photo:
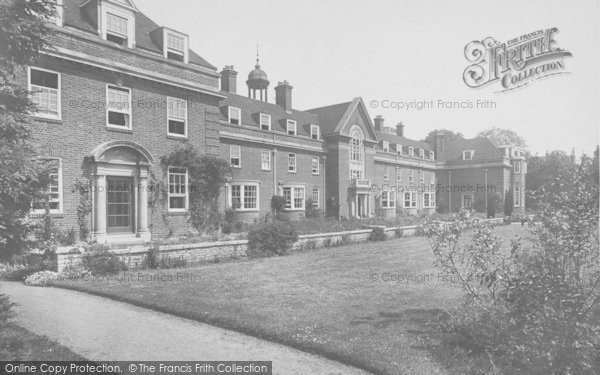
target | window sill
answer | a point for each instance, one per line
(177, 137)
(120, 130)
(38, 215)
(177, 213)
(53, 120)
(245, 210)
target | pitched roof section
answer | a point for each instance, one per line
(483, 147)
(252, 108)
(334, 118)
(392, 138)
(76, 18)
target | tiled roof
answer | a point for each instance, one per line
(484, 149)
(395, 139)
(76, 18)
(251, 110)
(330, 116)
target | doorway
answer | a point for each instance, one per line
(119, 205)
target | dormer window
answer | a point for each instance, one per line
(116, 29)
(431, 155)
(265, 122)
(422, 153)
(468, 154)
(291, 127)
(58, 16)
(175, 47)
(399, 149)
(314, 131)
(386, 146)
(411, 152)
(235, 115)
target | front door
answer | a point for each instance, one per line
(362, 210)
(119, 205)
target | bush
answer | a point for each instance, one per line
(378, 234)
(271, 239)
(100, 261)
(41, 278)
(277, 203)
(5, 310)
(310, 245)
(17, 272)
(311, 211)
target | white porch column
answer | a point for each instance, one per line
(142, 204)
(100, 193)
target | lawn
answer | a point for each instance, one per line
(375, 305)
(19, 344)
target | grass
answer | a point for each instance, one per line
(338, 302)
(19, 344)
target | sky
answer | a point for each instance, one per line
(406, 51)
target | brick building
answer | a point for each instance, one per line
(118, 92)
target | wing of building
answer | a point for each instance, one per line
(117, 92)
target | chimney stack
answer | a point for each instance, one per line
(229, 79)
(440, 146)
(378, 121)
(283, 95)
(400, 129)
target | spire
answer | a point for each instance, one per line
(257, 66)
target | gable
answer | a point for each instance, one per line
(358, 115)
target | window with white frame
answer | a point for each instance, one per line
(421, 177)
(386, 173)
(411, 176)
(411, 152)
(399, 149)
(410, 199)
(44, 86)
(265, 160)
(432, 177)
(117, 29)
(235, 115)
(235, 156)
(118, 106)
(386, 146)
(315, 165)
(467, 201)
(316, 197)
(54, 194)
(314, 131)
(422, 153)
(176, 46)
(244, 197)
(517, 166)
(178, 192)
(177, 117)
(399, 174)
(517, 196)
(431, 155)
(357, 166)
(468, 154)
(388, 199)
(294, 197)
(291, 127)
(292, 163)
(265, 121)
(428, 200)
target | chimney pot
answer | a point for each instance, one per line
(229, 79)
(283, 95)
(400, 129)
(378, 122)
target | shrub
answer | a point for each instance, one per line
(311, 211)
(17, 272)
(509, 202)
(378, 234)
(41, 278)
(153, 257)
(5, 310)
(345, 240)
(167, 261)
(277, 203)
(100, 261)
(310, 245)
(271, 239)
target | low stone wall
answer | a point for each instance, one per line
(194, 253)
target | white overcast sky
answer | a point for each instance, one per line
(332, 51)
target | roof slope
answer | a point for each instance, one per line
(394, 138)
(330, 116)
(483, 147)
(252, 108)
(76, 18)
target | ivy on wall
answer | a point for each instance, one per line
(206, 177)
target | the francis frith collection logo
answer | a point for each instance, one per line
(515, 63)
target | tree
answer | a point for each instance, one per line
(500, 136)
(23, 35)
(536, 308)
(542, 172)
(450, 135)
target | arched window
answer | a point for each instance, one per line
(356, 146)
(357, 153)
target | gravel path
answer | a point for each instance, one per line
(102, 329)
